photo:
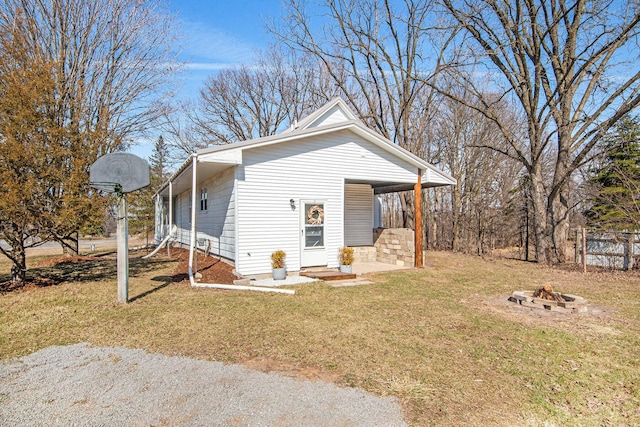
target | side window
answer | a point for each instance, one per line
(203, 199)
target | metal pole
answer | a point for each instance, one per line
(123, 250)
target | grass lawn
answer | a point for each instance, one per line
(441, 339)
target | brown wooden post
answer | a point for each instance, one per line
(417, 207)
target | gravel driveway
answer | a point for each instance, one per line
(80, 385)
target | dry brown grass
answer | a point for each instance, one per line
(442, 339)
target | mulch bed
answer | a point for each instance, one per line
(213, 269)
(30, 283)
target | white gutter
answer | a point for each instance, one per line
(192, 246)
(241, 288)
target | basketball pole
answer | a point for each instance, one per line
(123, 249)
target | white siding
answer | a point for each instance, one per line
(216, 224)
(310, 169)
(334, 115)
(182, 217)
(358, 215)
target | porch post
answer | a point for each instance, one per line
(417, 207)
(170, 217)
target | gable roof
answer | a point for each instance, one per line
(331, 112)
(332, 117)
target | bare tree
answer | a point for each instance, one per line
(256, 100)
(571, 69)
(482, 176)
(376, 53)
(249, 101)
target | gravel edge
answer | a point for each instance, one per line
(82, 385)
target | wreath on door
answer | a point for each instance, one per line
(315, 215)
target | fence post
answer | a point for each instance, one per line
(576, 252)
(584, 250)
(630, 241)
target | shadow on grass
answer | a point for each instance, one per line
(166, 281)
(150, 291)
(87, 269)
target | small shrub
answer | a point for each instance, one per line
(277, 259)
(346, 256)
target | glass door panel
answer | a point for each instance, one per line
(314, 225)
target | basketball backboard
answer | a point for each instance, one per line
(125, 170)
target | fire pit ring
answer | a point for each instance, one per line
(569, 304)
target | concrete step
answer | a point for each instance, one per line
(327, 275)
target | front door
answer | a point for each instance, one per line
(312, 233)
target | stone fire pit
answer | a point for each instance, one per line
(565, 303)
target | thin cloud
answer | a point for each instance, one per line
(212, 46)
(207, 66)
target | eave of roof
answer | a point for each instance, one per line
(290, 135)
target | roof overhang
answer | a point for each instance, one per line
(216, 159)
(181, 180)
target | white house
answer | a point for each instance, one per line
(308, 191)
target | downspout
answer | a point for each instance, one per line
(173, 230)
(192, 246)
(164, 242)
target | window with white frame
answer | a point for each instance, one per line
(203, 199)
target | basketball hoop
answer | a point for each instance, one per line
(120, 173)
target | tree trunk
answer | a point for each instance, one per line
(70, 245)
(558, 203)
(19, 267)
(435, 220)
(559, 225)
(538, 199)
(455, 218)
(408, 213)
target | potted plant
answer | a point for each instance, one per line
(346, 259)
(278, 269)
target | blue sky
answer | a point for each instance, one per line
(216, 34)
(219, 34)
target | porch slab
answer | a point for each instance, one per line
(291, 279)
